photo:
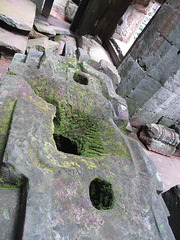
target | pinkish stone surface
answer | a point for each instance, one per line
(19, 14)
(168, 167)
(12, 41)
(3, 67)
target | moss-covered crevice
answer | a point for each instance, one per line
(114, 144)
(124, 129)
(101, 194)
(80, 78)
(81, 129)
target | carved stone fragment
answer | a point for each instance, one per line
(160, 139)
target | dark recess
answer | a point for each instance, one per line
(22, 210)
(101, 194)
(65, 145)
(80, 78)
(172, 200)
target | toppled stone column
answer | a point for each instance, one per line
(160, 139)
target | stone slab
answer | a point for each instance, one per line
(12, 41)
(45, 27)
(109, 70)
(34, 34)
(19, 14)
(42, 43)
(95, 51)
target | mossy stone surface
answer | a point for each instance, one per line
(58, 201)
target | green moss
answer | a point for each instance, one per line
(124, 129)
(6, 116)
(113, 144)
(7, 186)
(58, 38)
(10, 73)
(81, 129)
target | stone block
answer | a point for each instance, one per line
(110, 70)
(45, 27)
(162, 104)
(68, 39)
(167, 66)
(157, 50)
(12, 41)
(69, 50)
(162, 148)
(19, 15)
(82, 55)
(142, 93)
(166, 20)
(42, 44)
(173, 83)
(8, 210)
(159, 139)
(166, 122)
(35, 34)
(70, 11)
(144, 42)
(33, 58)
(174, 37)
(172, 107)
(131, 74)
(60, 182)
(174, 3)
(95, 51)
(61, 47)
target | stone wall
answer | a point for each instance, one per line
(150, 72)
